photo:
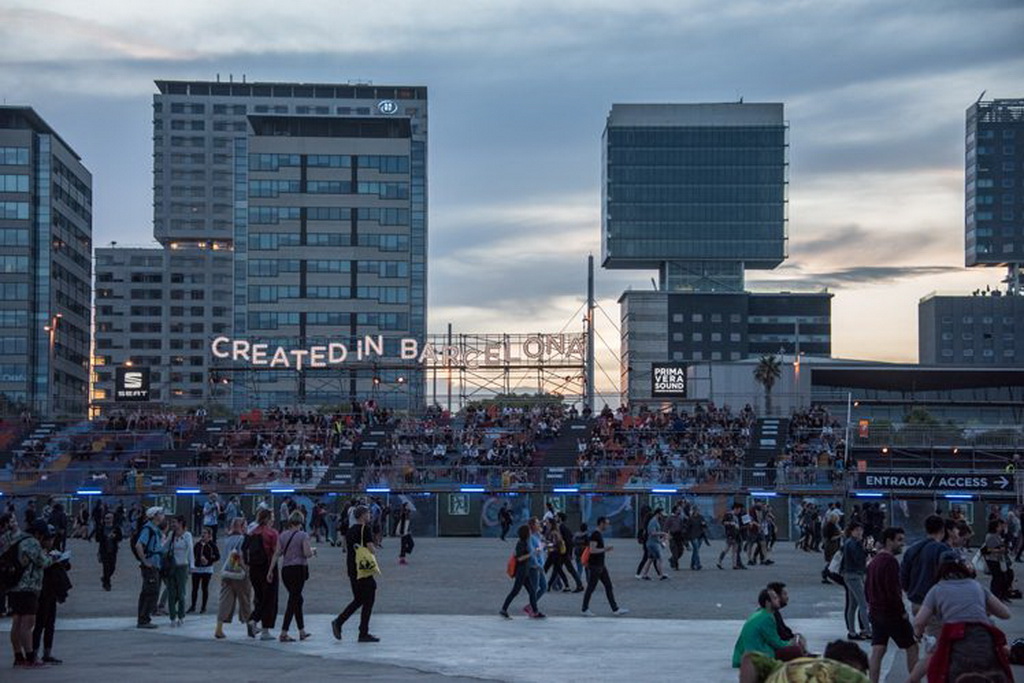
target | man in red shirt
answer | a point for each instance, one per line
(886, 611)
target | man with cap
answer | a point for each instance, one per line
(23, 599)
(149, 548)
(364, 591)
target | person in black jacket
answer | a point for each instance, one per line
(108, 537)
(56, 586)
(206, 555)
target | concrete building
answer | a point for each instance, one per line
(707, 327)
(698, 193)
(986, 328)
(156, 308)
(45, 269)
(317, 195)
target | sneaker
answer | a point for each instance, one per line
(619, 612)
(285, 638)
(578, 589)
(664, 577)
(252, 628)
(266, 635)
(504, 614)
(588, 613)
(52, 660)
(639, 577)
(538, 615)
(369, 638)
(336, 629)
(528, 610)
(401, 560)
(181, 622)
(219, 636)
(305, 636)
(191, 610)
(719, 565)
(148, 624)
(768, 562)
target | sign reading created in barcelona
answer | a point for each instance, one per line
(464, 350)
(668, 380)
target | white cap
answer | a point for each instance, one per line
(154, 511)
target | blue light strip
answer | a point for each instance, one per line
(379, 489)
(89, 492)
(183, 492)
(471, 489)
(565, 489)
(763, 494)
(664, 490)
(959, 496)
(282, 490)
(868, 494)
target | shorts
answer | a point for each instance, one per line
(23, 603)
(898, 629)
(653, 551)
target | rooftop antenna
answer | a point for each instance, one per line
(981, 95)
(218, 78)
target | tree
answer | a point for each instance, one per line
(767, 372)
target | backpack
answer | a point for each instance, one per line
(11, 568)
(254, 551)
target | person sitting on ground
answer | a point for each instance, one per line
(843, 662)
(760, 632)
(799, 645)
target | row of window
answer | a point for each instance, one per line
(14, 291)
(274, 188)
(985, 320)
(268, 294)
(17, 211)
(13, 237)
(1008, 150)
(18, 319)
(13, 156)
(274, 267)
(986, 353)
(13, 264)
(10, 182)
(271, 320)
(382, 163)
(272, 215)
(271, 241)
(10, 346)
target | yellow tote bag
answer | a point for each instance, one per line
(366, 562)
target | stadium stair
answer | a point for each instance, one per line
(767, 442)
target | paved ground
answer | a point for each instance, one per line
(436, 617)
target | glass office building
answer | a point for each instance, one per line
(45, 269)
(695, 191)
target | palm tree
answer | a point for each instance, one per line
(768, 370)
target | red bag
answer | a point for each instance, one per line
(511, 568)
(585, 556)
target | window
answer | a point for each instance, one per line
(13, 264)
(716, 317)
(734, 337)
(968, 320)
(17, 211)
(10, 346)
(13, 156)
(698, 355)
(13, 183)
(969, 353)
(697, 336)
(716, 336)
(716, 355)
(13, 237)
(14, 291)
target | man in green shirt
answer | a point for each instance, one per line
(759, 633)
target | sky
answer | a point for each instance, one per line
(874, 92)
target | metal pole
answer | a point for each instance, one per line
(849, 411)
(448, 362)
(589, 398)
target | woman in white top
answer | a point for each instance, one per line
(180, 546)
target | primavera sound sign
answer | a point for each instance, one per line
(471, 351)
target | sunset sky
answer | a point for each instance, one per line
(874, 92)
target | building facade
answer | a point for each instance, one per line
(994, 191)
(986, 328)
(157, 308)
(317, 193)
(696, 191)
(707, 327)
(45, 269)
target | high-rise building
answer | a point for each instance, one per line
(698, 193)
(994, 190)
(318, 194)
(45, 269)
(985, 328)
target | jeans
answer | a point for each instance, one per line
(294, 579)
(675, 546)
(695, 558)
(149, 593)
(176, 584)
(46, 618)
(595, 574)
(200, 581)
(364, 594)
(539, 581)
(857, 606)
(109, 563)
(522, 580)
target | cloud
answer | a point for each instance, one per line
(849, 277)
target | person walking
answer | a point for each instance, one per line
(211, 514)
(260, 546)
(364, 590)
(655, 542)
(696, 534)
(996, 553)
(23, 597)
(733, 538)
(538, 558)
(205, 555)
(566, 557)
(292, 556)
(54, 590)
(522, 576)
(179, 547)
(886, 611)
(149, 549)
(675, 527)
(505, 519)
(403, 529)
(853, 569)
(234, 582)
(108, 538)
(597, 570)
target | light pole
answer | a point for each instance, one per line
(51, 398)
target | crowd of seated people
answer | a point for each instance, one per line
(705, 444)
(814, 446)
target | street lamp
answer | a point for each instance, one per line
(51, 329)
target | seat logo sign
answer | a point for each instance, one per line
(387, 107)
(131, 384)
